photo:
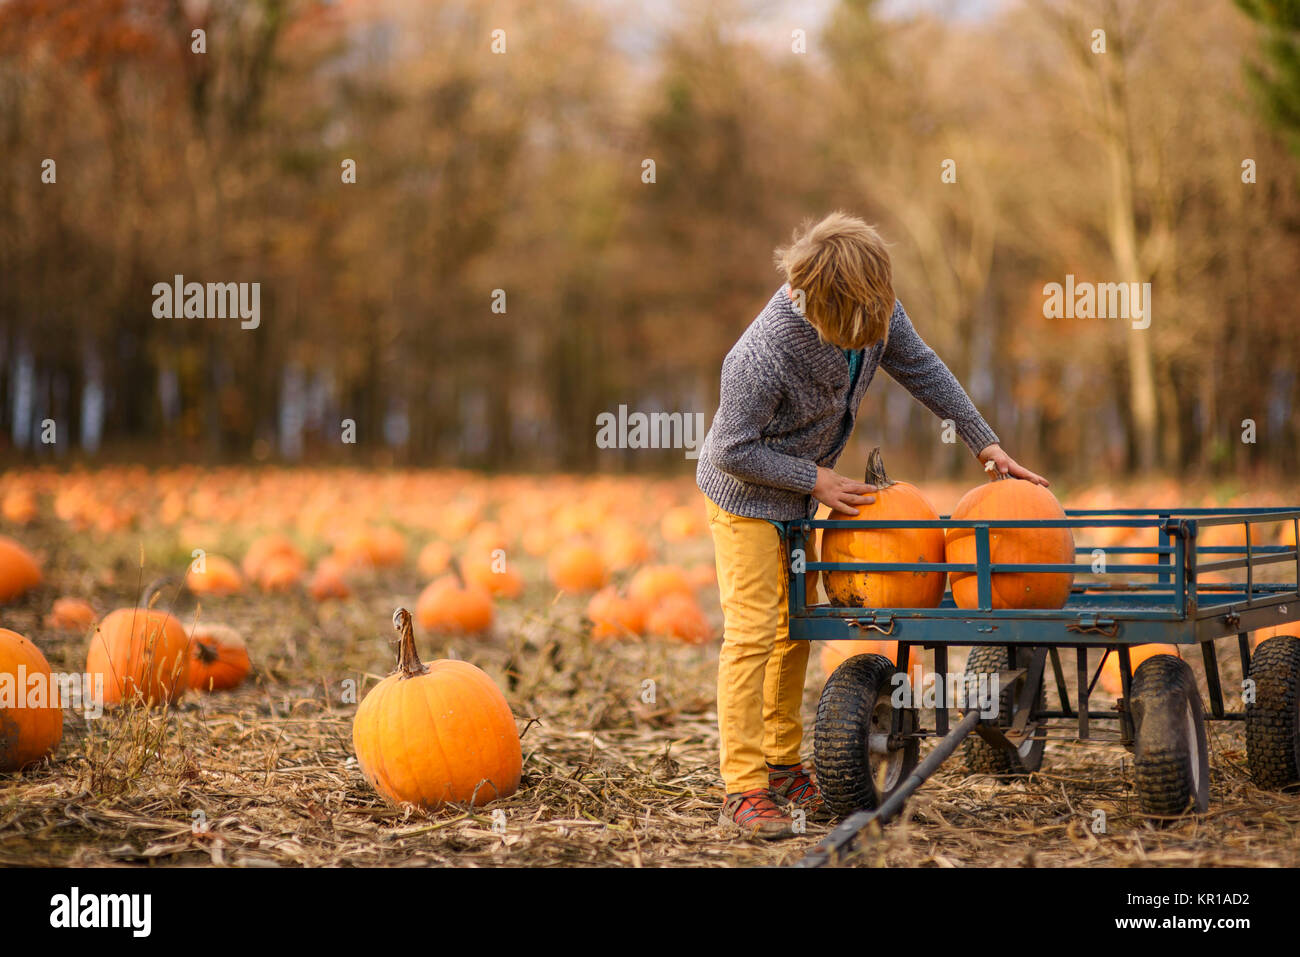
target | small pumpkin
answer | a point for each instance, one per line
(265, 549)
(18, 570)
(31, 720)
(1110, 680)
(678, 616)
(219, 577)
(895, 501)
(450, 606)
(70, 614)
(494, 573)
(139, 652)
(218, 658)
(436, 734)
(835, 653)
(434, 559)
(682, 523)
(1012, 499)
(577, 566)
(653, 583)
(328, 581)
(613, 616)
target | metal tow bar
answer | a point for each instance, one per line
(834, 844)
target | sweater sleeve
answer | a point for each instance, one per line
(751, 393)
(916, 367)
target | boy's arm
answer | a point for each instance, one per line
(749, 399)
(914, 365)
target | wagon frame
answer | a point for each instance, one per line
(1172, 605)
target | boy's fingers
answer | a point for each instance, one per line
(859, 488)
(842, 506)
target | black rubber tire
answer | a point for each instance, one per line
(1273, 718)
(978, 755)
(1171, 756)
(855, 702)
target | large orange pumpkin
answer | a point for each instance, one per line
(31, 722)
(18, 570)
(218, 658)
(436, 734)
(1012, 499)
(139, 651)
(895, 501)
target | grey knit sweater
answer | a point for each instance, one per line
(785, 409)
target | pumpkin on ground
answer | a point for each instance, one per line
(328, 581)
(577, 566)
(218, 658)
(139, 652)
(494, 573)
(895, 501)
(434, 559)
(613, 616)
(1012, 499)
(678, 616)
(265, 549)
(436, 734)
(835, 653)
(31, 721)
(70, 614)
(1110, 680)
(655, 582)
(219, 577)
(448, 605)
(18, 570)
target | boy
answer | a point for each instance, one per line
(791, 387)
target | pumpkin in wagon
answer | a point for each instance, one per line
(1012, 499)
(436, 734)
(898, 501)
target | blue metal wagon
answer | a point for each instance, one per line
(867, 745)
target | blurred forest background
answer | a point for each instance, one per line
(523, 171)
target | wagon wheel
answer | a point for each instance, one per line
(1273, 718)
(979, 755)
(1171, 757)
(858, 764)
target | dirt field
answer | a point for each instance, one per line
(265, 776)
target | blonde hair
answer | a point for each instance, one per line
(841, 265)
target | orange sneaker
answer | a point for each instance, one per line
(755, 814)
(794, 786)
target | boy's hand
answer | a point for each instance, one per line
(1009, 466)
(840, 494)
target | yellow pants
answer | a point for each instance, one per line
(760, 670)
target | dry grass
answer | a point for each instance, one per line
(265, 776)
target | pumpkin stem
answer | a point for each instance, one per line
(876, 470)
(408, 661)
(994, 475)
